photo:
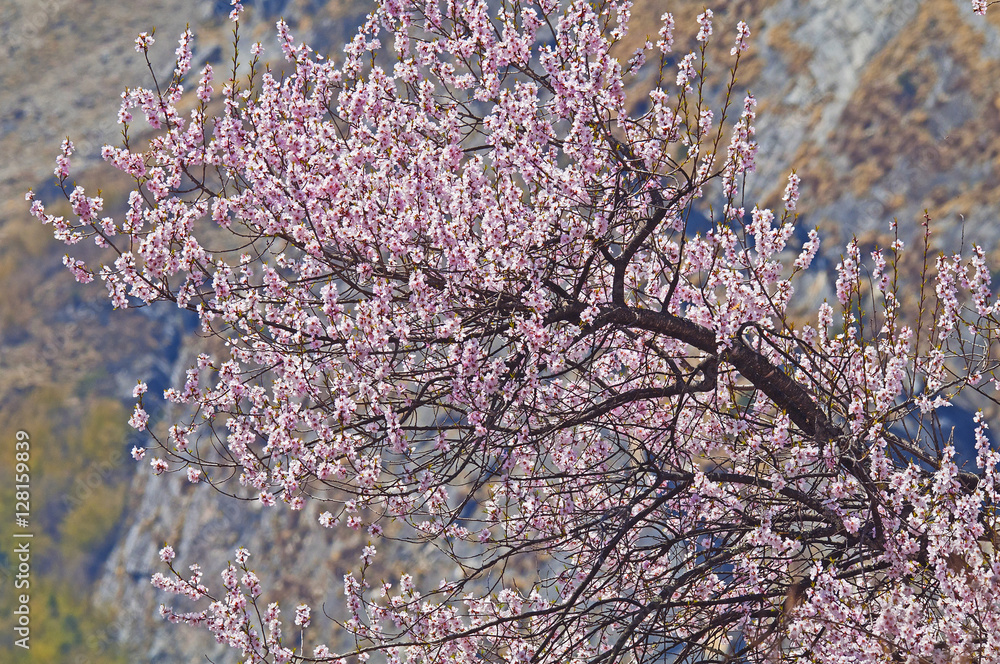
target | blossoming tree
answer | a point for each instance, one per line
(462, 293)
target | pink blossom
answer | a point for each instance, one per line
(143, 42)
(742, 34)
(686, 72)
(205, 84)
(666, 41)
(79, 270)
(302, 615)
(139, 419)
(791, 195)
(704, 25)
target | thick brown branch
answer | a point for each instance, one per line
(787, 394)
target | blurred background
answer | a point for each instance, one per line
(884, 109)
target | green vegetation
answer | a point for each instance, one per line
(78, 474)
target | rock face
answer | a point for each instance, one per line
(884, 109)
(300, 562)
